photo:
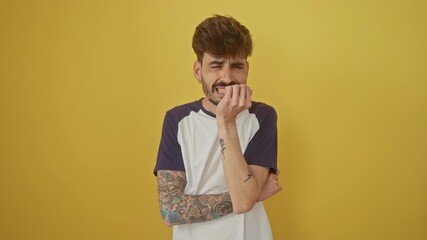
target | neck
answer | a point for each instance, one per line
(209, 106)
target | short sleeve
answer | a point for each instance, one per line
(262, 148)
(169, 156)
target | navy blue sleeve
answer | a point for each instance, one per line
(262, 149)
(169, 156)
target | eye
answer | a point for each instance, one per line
(237, 65)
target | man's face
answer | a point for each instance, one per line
(217, 73)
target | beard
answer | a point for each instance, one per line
(210, 91)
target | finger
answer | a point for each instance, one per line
(242, 97)
(248, 96)
(249, 91)
(235, 94)
(228, 93)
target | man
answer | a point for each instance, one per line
(217, 159)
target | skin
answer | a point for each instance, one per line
(226, 95)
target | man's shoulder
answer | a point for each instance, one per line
(260, 108)
(186, 107)
(180, 111)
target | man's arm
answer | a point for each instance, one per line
(245, 182)
(179, 208)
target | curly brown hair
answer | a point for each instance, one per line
(222, 36)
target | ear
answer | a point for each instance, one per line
(197, 71)
(247, 64)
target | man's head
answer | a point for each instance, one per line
(222, 46)
(222, 37)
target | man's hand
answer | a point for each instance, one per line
(271, 186)
(237, 98)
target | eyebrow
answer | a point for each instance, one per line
(216, 62)
(221, 62)
(237, 64)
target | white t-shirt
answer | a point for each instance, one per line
(190, 143)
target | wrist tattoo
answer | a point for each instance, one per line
(222, 144)
(249, 177)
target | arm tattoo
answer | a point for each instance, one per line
(222, 144)
(249, 177)
(180, 208)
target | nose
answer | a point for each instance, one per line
(226, 75)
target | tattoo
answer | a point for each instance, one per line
(179, 208)
(222, 144)
(249, 177)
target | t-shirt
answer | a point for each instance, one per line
(190, 143)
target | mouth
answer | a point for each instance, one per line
(220, 89)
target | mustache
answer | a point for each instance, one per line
(223, 84)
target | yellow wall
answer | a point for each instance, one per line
(84, 86)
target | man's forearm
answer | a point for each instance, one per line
(244, 185)
(179, 208)
(244, 182)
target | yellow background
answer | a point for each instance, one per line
(85, 85)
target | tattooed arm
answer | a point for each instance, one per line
(245, 182)
(179, 208)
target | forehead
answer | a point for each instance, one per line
(207, 58)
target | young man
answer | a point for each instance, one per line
(217, 159)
